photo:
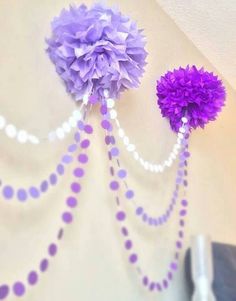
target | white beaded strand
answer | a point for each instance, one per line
(23, 136)
(131, 148)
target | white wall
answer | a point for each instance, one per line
(211, 25)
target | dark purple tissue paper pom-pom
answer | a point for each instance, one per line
(96, 49)
(190, 92)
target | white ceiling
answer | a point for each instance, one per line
(211, 26)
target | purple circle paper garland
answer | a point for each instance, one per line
(150, 220)
(118, 178)
(121, 216)
(34, 192)
(19, 287)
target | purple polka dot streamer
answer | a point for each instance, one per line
(19, 287)
(133, 257)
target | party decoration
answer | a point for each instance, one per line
(121, 215)
(95, 49)
(23, 194)
(19, 288)
(22, 136)
(99, 53)
(190, 92)
(131, 148)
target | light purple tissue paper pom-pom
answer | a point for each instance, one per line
(96, 49)
(190, 92)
